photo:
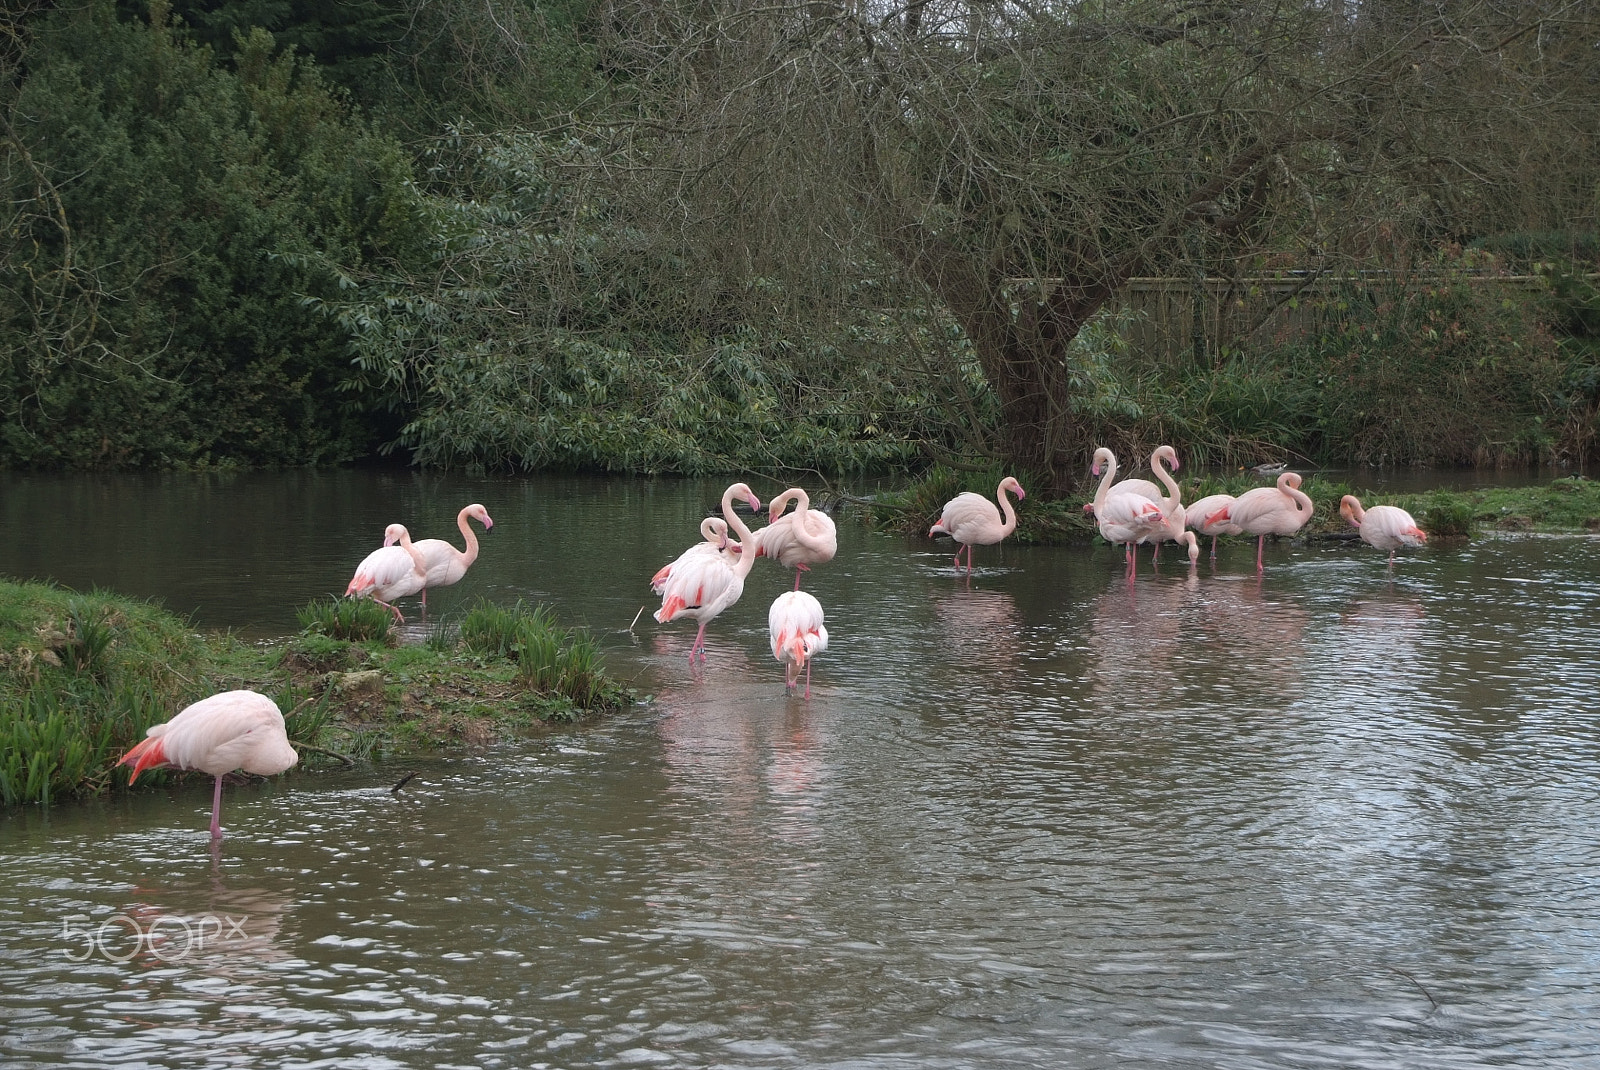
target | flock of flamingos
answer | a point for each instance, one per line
(245, 729)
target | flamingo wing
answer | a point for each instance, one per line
(972, 518)
(387, 573)
(701, 587)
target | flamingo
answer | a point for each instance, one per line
(1200, 511)
(1171, 502)
(232, 730)
(794, 624)
(390, 572)
(714, 533)
(799, 539)
(1388, 527)
(970, 520)
(1280, 510)
(1125, 515)
(445, 564)
(709, 584)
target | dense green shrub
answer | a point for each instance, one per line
(170, 215)
(547, 334)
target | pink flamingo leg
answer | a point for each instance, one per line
(398, 619)
(1261, 545)
(798, 569)
(216, 810)
(699, 646)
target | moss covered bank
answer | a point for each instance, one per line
(83, 675)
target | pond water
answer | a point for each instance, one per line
(1336, 814)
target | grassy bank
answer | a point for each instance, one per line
(83, 675)
(1570, 504)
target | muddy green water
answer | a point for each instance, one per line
(1333, 816)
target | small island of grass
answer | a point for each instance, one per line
(83, 675)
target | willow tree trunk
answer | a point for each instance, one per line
(1020, 330)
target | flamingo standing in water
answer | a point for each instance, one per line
(1199, 513)
(1280, 510)
(971, 520)
(1171, 502)
(794, 624)
(446, 564)
(1124, 514)
(390, 572)
(233, 730)
(799, 539)
(710, 583)
(1387, 527)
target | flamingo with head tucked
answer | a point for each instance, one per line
(391, 572)
(799, 539)
(233, 730)
(1280, 510)
(794, 625)
(446, 564)
(972, 520)
(1387, 527)
(710, 583)
(1198, 514)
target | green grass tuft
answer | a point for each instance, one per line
(357, 620)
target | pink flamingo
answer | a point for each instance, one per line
(970, 520)
(710, 583)
(794, 624)
(444, 563)
(1124, 514)
(391, 572)
(799, 539)
(714, 533)
(1171, 502)
(1387, 527)
(1280, 510)
(233, 730)
(1199, 512)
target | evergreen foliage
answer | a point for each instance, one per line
(174, 216)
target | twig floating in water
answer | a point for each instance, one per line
(1418, 983)
(403, 782)
(635, 619)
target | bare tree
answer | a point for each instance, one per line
(1019, 161)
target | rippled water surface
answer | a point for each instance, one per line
(1339, 815)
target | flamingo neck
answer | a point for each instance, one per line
(802, 532)
(470, 554)
(1174, 496)
(740, 529)
(1008, 515)
(1105, 482)
(417, 560)
(1302, 502)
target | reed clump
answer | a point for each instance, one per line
(356, 620)
(549, 658)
